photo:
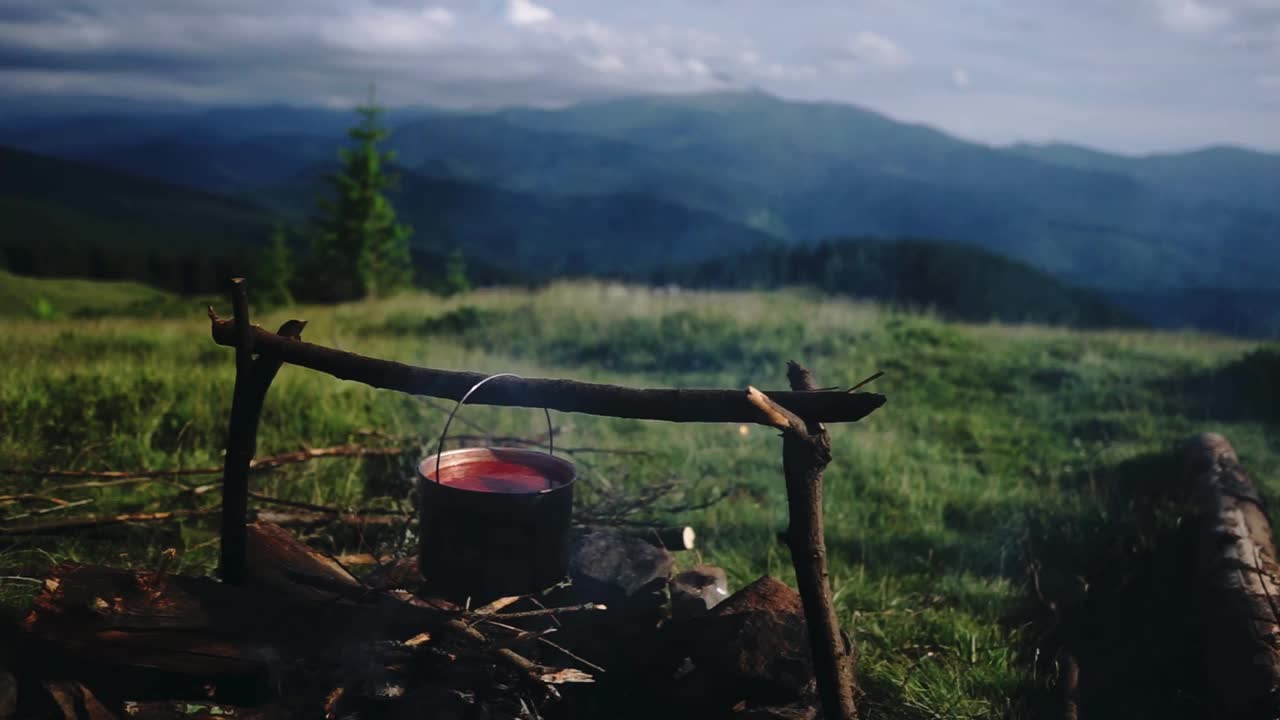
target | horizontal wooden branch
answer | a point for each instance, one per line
(563, 395)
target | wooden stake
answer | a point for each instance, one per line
(253, 379)
(806, 450)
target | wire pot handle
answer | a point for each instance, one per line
(551, 433)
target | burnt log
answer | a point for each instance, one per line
(1239, 581)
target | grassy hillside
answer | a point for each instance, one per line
(25, 297)
(1007, 458)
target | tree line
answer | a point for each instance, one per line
(961, 282)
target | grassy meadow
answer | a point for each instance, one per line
(1012, 467)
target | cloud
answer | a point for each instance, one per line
(527, 12)
(440, 16)
(874, 49)
(1192, 15)
(1211, 78)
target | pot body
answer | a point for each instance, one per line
(482, 545)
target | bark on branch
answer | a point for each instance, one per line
(806, 450)
(1239, 581)
(563, 395)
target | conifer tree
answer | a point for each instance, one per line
(360, 248)
(455, 275)
(276, 271)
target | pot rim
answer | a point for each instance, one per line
(562, 473)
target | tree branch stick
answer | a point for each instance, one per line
(253, 379)
(113, 478)
(806, 451)
(563, 395)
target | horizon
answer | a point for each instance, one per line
(1152, 76)
(105, 106)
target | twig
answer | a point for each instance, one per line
(90, 484)
(93, 521)
(585, 607)
(875, 376)
(32, 496)
(322, 508)
(560, 648)
(258, 464)
(48, 510)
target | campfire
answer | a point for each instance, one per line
(507, 609)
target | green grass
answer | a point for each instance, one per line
(999, 446)
(26, 297)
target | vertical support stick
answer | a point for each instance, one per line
(241, 441)
(253, 379)
(803, 460)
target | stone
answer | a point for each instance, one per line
(752, 647)
(696, 591)
(620, 570)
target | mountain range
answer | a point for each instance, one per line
(650, 182)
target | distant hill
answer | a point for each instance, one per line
(66, 218)
(957, 281)
(1219, 174)
(69, 218)
(1244, 313)
(541, 235)
(643, 182)
(803, 171)
(797, 171)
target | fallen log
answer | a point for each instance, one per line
(1239, 581)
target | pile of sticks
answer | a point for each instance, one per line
(301, 637)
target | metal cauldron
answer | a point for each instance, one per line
(481, 543)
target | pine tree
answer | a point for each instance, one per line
(360, 248)
(455, 275)
(275, 271)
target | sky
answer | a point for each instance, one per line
(1128, 76)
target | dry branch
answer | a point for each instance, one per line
(806, 450)
(97, 521)
(113, 478)
(564, 395)
(1239, 581)
(297, 518)
(253, 380)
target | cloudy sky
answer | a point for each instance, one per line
(1124, 75)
